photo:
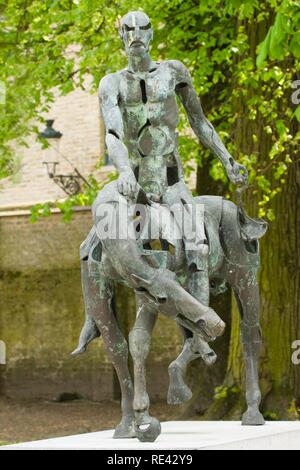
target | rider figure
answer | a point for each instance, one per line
(140, 113)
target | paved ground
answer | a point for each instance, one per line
(184, 435)
(31, 420)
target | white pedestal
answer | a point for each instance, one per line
(200, 435)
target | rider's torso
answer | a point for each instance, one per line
(150, 117)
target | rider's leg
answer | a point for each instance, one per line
(189, 216)
(198, 287)
(197, 251)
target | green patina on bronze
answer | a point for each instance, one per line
(219, 248)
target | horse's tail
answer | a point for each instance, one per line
(90, 330)
(88, 333)
(92, 283)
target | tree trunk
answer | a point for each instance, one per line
(280, 319)
(279, 288)
(279, 285)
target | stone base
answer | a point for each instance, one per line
(197, 435)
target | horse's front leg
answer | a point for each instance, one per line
(247, 294)
(147, 428)
(98, 302)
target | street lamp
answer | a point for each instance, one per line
(71, 183)
(50, 154)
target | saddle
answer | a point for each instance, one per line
(165, 249)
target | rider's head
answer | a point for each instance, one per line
(136, 32)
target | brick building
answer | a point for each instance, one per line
(41, 309)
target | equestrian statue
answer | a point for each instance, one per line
(151, 234)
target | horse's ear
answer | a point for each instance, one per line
(251, 229)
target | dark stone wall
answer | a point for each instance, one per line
(41, 314)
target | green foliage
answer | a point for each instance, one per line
(283, 37)
(294, 410)
(224, 391)
(238, 85)
(85, 198)
(297, 113)
(271, 416)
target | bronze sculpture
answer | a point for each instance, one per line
(218, 247)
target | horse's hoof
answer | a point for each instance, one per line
(147, 429)
(178, 395)
(252, 417)
(125, 428)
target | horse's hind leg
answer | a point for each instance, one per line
(247, 294)
(198, 287)
(147, 428)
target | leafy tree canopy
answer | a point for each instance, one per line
(213, 39)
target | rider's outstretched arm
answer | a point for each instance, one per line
(114, 132)
(201, 126)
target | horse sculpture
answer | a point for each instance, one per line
(233, 261)
(143, 209)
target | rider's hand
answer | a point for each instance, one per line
(237, 173)
(127, 183)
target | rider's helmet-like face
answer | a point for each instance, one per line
(136, 32)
